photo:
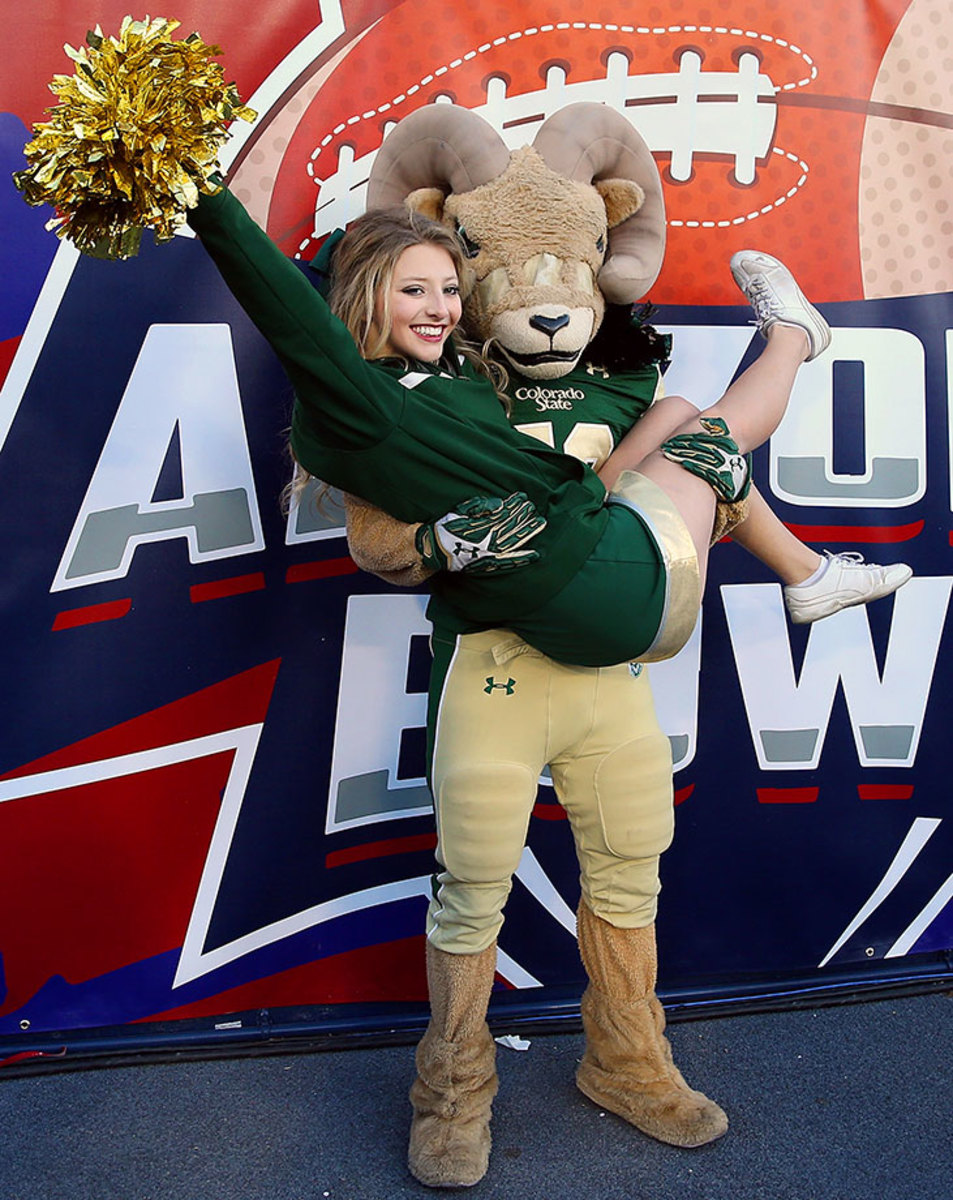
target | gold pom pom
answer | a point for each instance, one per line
(133, 139)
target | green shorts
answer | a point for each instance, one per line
(637, 595)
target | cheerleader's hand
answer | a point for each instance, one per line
(484, 534)
(133, 139)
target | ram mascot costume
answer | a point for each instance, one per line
(552, 233)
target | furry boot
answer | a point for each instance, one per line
(456, 1073)
(627, 1066)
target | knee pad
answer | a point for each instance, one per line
(714, 457)
(483, 812)
(633, 787)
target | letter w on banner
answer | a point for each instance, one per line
(788, 716)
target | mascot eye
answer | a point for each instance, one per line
(470, 248)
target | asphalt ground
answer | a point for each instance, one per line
(852, 1102)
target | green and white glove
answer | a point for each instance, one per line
(485, 534)
(713, 456)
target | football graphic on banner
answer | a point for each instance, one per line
(748, 113)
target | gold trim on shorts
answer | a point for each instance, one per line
(675, 545)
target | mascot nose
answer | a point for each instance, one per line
(549, 325)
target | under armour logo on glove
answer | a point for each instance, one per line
(713, 456)
(485, 534)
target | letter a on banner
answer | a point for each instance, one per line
(182, 394)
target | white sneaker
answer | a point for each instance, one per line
(848, 580)
(772, 292)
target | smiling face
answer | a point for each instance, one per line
(421, 305)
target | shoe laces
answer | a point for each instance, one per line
(761, 297)
(847, 558)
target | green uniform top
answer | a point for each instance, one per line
(412, 441)
(585, 413)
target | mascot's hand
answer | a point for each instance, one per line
(483, 535)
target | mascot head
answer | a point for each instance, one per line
(551, 232)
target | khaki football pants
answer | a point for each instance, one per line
(501, 711)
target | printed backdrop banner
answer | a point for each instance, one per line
(211, 792)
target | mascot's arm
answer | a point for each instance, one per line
(382, 545)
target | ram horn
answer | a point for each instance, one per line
(590, 142)
(440, 145)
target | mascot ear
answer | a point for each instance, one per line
(428, 201)
(622, 197)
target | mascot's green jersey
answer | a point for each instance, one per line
(586, 413)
